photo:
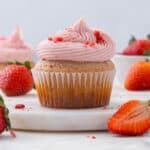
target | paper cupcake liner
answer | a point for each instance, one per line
(73, 90)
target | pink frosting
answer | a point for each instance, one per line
(14, 48)
(77, 43)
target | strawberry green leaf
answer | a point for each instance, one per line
(27, 64)
(9, 63)
(6, 111)
(14, 63)
(147, 53)
(133, 39)
(8, 123)
(1, 101)
(148, 36)
(18, 63)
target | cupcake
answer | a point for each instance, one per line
(13, 48)
(75, 70)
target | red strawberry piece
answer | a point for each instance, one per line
(89, 43)
(19, 106)
(138, 47)
(4, 119)
(138, 77)
(98, 37)
(132, 118)
(58, 39)
(92, 44)
(16, 80)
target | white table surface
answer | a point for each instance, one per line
(73, 141)
(27, 140)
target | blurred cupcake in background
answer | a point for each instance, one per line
(13, 48)
(75, 70)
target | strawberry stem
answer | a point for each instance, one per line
(133, 39)
(148, 36)
(26, 63)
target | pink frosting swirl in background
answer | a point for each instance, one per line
(13, 48)
(77, 43)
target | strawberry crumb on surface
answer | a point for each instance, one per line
(12, 133)
(91, 137)
(19, 106)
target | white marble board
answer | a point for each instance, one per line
(35, 117)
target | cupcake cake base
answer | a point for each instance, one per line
(68, 84)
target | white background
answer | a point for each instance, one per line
(40, 18)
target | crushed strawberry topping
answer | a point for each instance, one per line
(98, 36)
(87, 43)
(56, 39)
(19, 106)
(92, 44)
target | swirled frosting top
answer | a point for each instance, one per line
(78, 43)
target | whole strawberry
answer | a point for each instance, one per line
(138, 77)
(133, 118)
(16, 80)
(138, 47)
(4, 119)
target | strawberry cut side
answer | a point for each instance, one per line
(133, 118)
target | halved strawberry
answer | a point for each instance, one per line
(133, 118)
